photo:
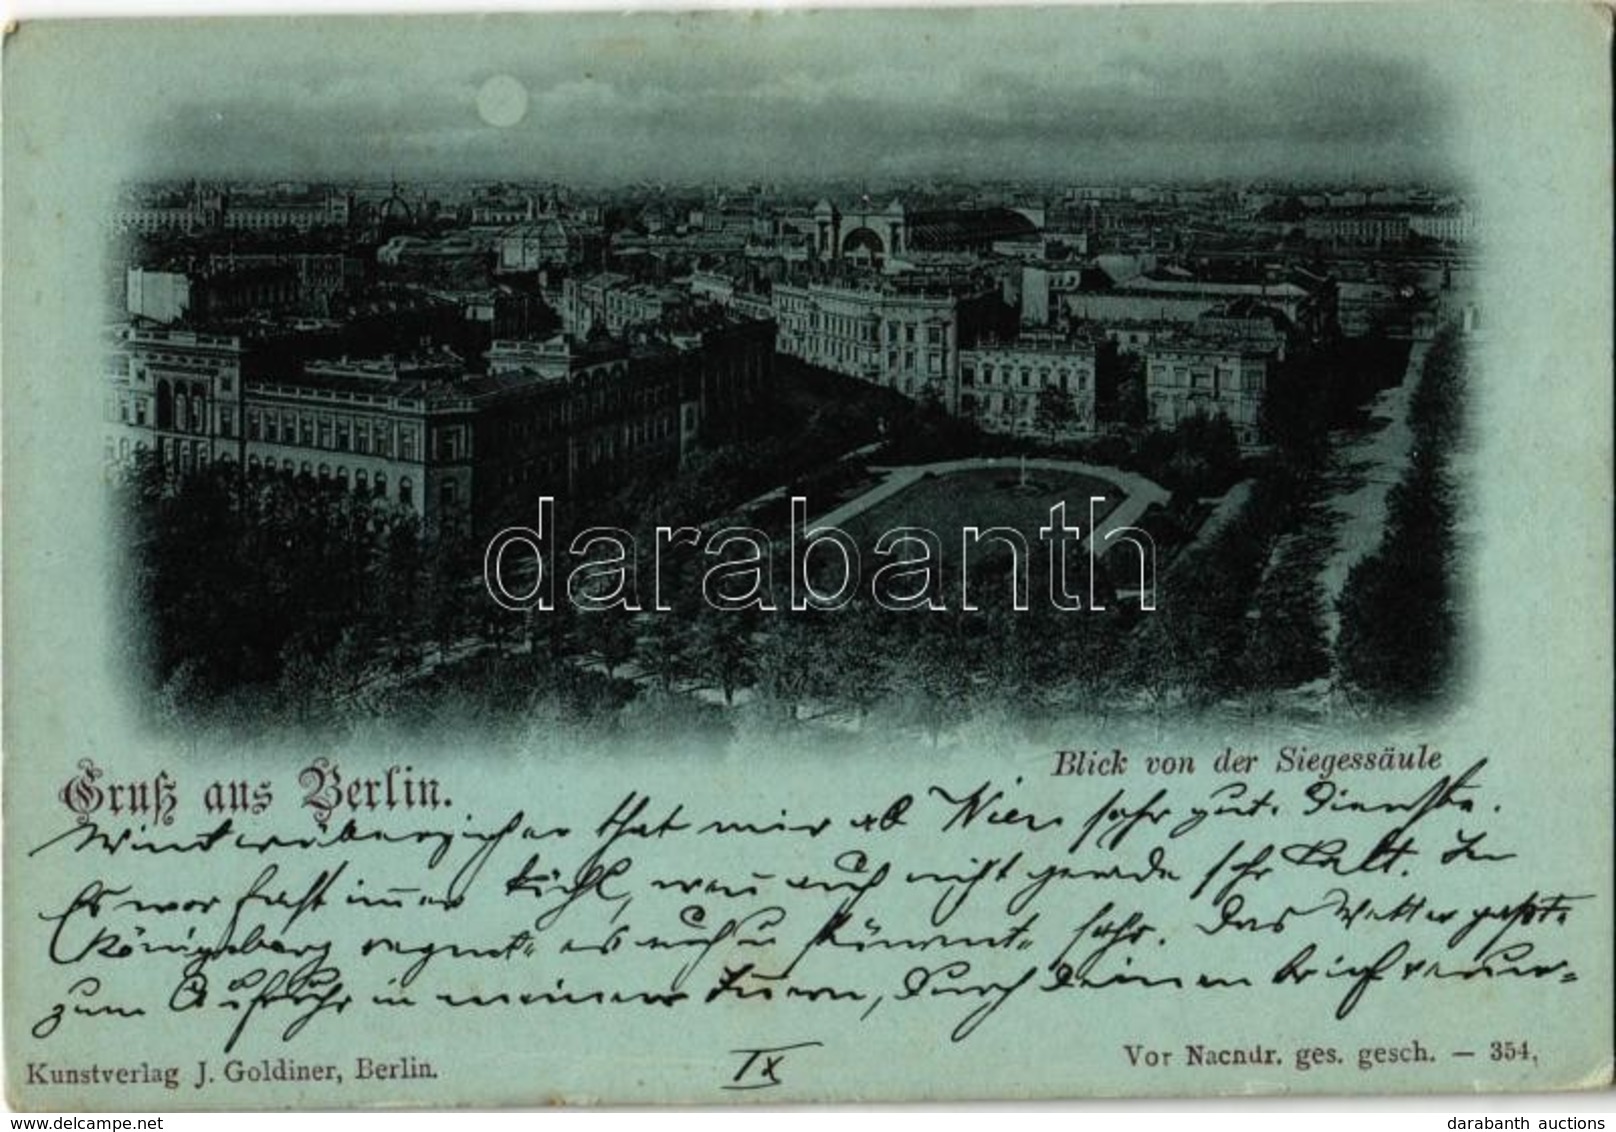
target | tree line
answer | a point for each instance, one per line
(1400, 641)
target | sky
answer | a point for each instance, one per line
(1313, 92)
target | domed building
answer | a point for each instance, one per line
(551, 241)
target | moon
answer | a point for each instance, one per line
(502, 101)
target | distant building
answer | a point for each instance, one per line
(1002, 387)
(613, 303)
(182, 215)
(158, 296)
(712, 285)
(718, 288)
(1134, 337)
(906, 340)
(210, 295)
(1192, 375)
(869, 233)
(462, 255)
(1249, 319)
(1364, 227)
(1306, 301)
(537, 244)
(201, 210)
(499, 213)
(1387, 219)
(1449, 226)
(1044, 288)
(319, 275)
(330, 211)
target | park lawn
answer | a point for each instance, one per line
(985, 497)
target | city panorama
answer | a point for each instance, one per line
(333, 385)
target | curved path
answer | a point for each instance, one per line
(1138, 492)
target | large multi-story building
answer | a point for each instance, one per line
(202, 210)
(866, 232)
(229, 286)
(194, 296)
(381, 427)
(560, 417)
(614, 303)
(176, 393)
(186, 216)
(1038, 385)
(1197, 375)
(728, 373)
(332, 210)
(904, 339)
(1455, 225)
(1366, 227)
(1391, 219)
(1044, 288)
(570, 416)
(533, 245)
(1250, 320)
(1307, 302)
(319, 275)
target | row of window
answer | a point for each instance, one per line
(1206, 378)
(189, 414)
(188, 456)
(934, 334)
(604, 446)
(908, 361)
(1169, 411)
(126, 411)
(177, 455)
(361, 484)
(848, 357)
(1008, 406)
(1008, 375)
(646, 429)
(343, 434)
(182, 408)
(121, 450)
(862, 328)
(270, 220)
(225, 380)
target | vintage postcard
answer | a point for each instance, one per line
(807, 555)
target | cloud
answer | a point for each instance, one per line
(1038, 94)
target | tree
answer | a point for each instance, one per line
(724, 649)
(655, 716)
(858, 675)
(933, 685)
(666, 651)
(609, 634)
(1285, 645)
(790, 662)
(1132, 405)
(450, 597)
(1056, 411)
(1399, 607)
